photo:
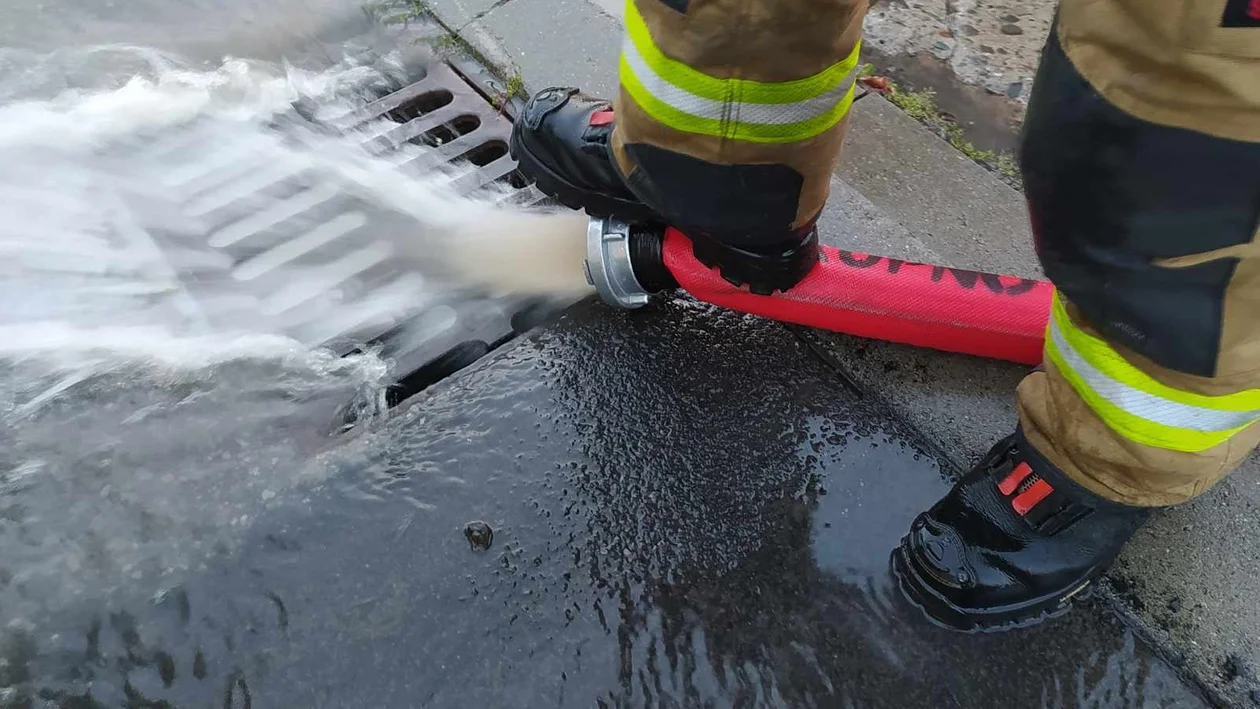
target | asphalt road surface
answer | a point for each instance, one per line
(688, 509)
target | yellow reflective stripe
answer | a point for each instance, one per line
(689, 122)
(746, 90)
(1109, 362)
(688, 100)
(1105, 382)
(1131, 427)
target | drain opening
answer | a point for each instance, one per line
(427, 102)
(445, 133)
(517, 180)
(417, 380)
(450, 362)
(535, 313)
(529, 315)
(485, 153)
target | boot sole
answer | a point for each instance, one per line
(595, 204)
(942, 612)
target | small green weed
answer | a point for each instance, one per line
(921, 105)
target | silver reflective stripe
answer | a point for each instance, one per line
(1153, 408)
(776, 114)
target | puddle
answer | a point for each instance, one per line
(686, 510)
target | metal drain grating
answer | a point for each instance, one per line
(445, 113)
(242, 227)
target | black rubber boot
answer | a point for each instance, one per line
(1012, 544)
(561, 141)
(764, 270)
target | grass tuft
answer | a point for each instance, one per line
(921, 106)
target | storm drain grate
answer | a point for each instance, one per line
(444, 113)
(246, 226)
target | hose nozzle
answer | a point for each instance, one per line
(625, 262)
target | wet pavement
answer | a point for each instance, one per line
(688, 509)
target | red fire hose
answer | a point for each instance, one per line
(982, 314)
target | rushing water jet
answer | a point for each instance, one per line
(155, 399)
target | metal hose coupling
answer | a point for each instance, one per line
(625, 262)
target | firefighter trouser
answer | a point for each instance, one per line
(1141, 162)
(732, 113)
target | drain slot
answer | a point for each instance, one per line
(420, 105)
(453, 360)
(486, 153)
(448, 132)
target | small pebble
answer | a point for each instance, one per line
(479, 535)
(1175, 605)
(1014, 89)
(1233, 668)
(969, 31)
(1008, 17)
(1011, 28)
(1255, 697)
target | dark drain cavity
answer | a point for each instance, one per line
(446, 364)
(485, 154)
(446, 133)
(420, 105)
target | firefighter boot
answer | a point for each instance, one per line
(1012, 543)
(561, 140)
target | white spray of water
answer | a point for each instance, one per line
(476, 243)
(150, 402)
(79, 201)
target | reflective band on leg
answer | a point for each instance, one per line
(738, 109)
(1135, 405)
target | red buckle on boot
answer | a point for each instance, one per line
(1030, 496)
(601, 118)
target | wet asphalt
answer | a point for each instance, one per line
(688, 509)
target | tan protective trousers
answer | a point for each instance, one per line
(1141, 163)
